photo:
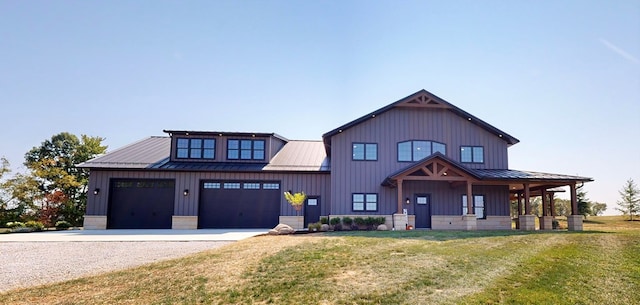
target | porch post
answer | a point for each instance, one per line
(527, 221)
(546, 221)
(574, 199)
(552, 202)
(527, 198)
(545, 203)
(519, 204)
(399, 196)
(469, 221)
(399, 219)
(574, 221)
(470, 207)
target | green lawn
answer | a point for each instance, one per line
(598, 266)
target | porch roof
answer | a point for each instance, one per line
(477, 176)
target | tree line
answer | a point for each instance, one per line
(52, 188)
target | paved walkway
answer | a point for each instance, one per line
(134, 235)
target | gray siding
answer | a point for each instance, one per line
(391, 127)
(314, 184)
(447, 200)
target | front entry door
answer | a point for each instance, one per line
(423, 211)
(311, 210)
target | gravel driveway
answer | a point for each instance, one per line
(25, 264)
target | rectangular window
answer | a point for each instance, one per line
(232, 185)
(251, 186)
(365, 151)
(271, 186)
(245, 149)
(472, 154)
(195, 148)
(418, 150)
(478, 204)
(212, 185)
(312, 201)
(364, 202)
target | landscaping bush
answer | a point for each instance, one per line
(35, 225)
(360, 223)
(324, 220)
(62, 225)
(15, 224)
(347, 221)
(334, 221)
(314, 227)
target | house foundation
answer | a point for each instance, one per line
(296, 222)
(574, 222)
(95, 222)
(546, 223)
(184, 222)
(527, 222)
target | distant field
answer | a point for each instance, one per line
(598, 266)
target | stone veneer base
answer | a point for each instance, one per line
(184, 222)
(94, 222)
(574, 222)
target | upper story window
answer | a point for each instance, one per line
(417, 150)
(478, 206)
(245, 149)
(195, 148)
(365, 151)
(472, 154)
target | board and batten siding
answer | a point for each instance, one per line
(389, 128)
(313, 184)
(447, 200)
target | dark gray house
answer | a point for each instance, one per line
(421, 162)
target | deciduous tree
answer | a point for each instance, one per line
(52, 166)
(629, 199)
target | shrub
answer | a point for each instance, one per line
(347, 221)
(15, 224)
(324, 220)
(335, 221)
(380, 220)
(555, 224)
(63, 225)
(359, 221)
(314, 227)
(35, 225)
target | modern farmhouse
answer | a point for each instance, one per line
(420, 162)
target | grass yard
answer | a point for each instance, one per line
(598, 266)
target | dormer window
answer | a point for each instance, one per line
(245, 149)
(195, 148)
(418, 150)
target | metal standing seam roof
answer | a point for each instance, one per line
(491, 174)
(154, 153)
(138, 155)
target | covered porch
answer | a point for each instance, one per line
(457, 178)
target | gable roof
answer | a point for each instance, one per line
(423, 99)
(483, 174)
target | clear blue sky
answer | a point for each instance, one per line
(561, 76)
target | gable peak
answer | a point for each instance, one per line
(424, 100)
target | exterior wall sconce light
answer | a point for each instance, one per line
(185, 192)
(407, 201)
(96, 191)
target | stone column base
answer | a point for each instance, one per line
(296, 222)
(527, 222)
(400, 222)
(184, 222)
(94, 222)
(469, 222)
(546, 223)
(574, 222)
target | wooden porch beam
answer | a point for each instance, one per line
(400, 196)
(545, 203)
(527, 197)
(574, 199)
(470, 207)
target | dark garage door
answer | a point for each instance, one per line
(141, 204)
(232, 204)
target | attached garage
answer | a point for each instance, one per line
(141, 204)
(239, 204)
